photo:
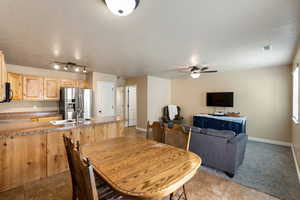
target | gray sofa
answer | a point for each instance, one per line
(219, 149)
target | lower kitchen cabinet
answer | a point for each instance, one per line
(27, 158)
(23, 160)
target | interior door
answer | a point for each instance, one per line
(105, 99)
(120, 101)
(131, 105)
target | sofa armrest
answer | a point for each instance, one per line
(238, 138)
(237, 146)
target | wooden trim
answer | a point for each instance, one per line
(296, 162)
(276, 142)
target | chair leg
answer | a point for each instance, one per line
(184, 193)
(171, 196)
(74, 193)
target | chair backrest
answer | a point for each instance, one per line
(155, 131)
(166, 112)
(177, 137)
(69, 145)
(84, 176)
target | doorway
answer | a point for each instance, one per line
(105, 99)
(131, 105)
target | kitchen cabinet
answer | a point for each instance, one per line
(3, 76)
(56, 152)
(82, 84)
(33, 88)
(51, 89)
(67, 83)
(15, 81)
(29, 157)
(22, 160)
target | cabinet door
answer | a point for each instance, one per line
(82, 84)
(87, 135)
(56, 153)
(3, 76)
(51, 89)
(15, 81)
(23, 160)
(33, 87)
(67, 83)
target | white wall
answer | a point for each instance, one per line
(263, 95)
(159, 95)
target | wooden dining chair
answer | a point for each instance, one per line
(179, 138)
(155, 131)
(69, 145)
(86, 186)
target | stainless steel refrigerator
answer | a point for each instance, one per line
(75, 102)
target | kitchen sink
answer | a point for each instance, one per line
(62, 122)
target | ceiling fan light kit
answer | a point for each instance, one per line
(122, 7)
(195, 74)
(195, 71)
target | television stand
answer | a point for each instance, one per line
(236, 124)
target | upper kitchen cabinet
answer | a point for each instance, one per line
(82, 84)
(3, 76)
(15, 81)
(51, 89)
(33, 88)
(67, 83)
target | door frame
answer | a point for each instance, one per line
(127, 104)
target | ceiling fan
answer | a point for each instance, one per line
(195, 71)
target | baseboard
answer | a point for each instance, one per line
(270, 141)
(296, 162)
(141, 129)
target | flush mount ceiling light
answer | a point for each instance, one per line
(122, 7)
(69, 66)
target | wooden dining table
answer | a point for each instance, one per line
(142, 168)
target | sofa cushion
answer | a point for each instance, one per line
(219, 133)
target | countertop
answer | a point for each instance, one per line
(24, 127)
(28, 115)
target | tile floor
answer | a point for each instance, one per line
(204, 186)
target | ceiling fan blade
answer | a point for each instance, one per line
(184, 72)
(211, 71)
(177, 70)
(204, 68)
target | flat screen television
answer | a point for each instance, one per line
(219, 99)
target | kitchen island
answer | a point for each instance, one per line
(33, 150)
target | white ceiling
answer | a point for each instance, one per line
(158, 36)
